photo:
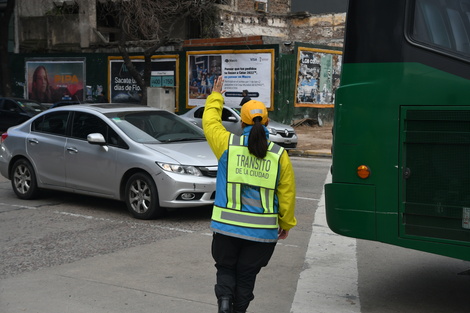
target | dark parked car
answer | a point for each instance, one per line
(14, 111)
(64, 102)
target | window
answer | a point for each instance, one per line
(9, 105)
(53, 123)
(199, 112)
(85, 124)
(443, 25)
(226, 114)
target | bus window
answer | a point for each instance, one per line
(459, 31)
(443, 25)
(434, 24)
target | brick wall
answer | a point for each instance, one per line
(247, 40)
(325, 29)
(278, 22)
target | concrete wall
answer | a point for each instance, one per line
(59, 33)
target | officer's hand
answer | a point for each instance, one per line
(218, 84)
(282, 234)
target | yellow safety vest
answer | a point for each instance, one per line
(243, 168)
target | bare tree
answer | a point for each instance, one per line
(149, 24)
(5, 85)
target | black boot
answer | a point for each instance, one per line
(225, 304)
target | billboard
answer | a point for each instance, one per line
(318, 76)
(124, 89)
(52, 80)
(251, 70)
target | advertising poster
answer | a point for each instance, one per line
(124, 89)
(250, 70)
(318, 76)
(49, 81)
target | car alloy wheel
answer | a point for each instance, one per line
(23, 180)
(142, 197)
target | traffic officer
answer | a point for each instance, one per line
(255, 199)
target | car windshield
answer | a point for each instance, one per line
(156, 126)
(32, 107)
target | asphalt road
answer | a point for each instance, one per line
(74, 254)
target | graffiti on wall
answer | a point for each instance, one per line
(318, 76)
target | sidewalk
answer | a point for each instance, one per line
(329, 281)
(310, 153)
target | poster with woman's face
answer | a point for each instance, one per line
(49, 81)
(318, 74)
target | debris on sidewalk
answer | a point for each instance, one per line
(305, 122)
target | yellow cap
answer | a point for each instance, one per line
(252, 109)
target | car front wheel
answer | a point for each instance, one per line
(142, 197)
(23, 180)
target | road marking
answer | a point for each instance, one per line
(329, 281)
(303, 198)
(19, 206)
(124, 222)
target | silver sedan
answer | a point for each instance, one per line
(150, 158)
(282, 134)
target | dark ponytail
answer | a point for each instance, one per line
(257, 142)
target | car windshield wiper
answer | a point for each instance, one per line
(183, 139)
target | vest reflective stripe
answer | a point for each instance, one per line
(267, 197)
(275, 148)
(233, 193)
(245, 219)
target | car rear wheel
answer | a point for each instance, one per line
(142, 197)
(23, 180)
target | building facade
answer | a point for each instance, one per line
(75, 26)
(64, 33)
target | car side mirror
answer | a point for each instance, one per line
(96, 139)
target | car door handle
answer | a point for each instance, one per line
(71, 149)
(33, 141)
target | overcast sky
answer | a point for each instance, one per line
(319, 6)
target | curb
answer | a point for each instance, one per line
(309, 153)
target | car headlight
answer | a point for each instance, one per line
(271, 130)
(180, 169)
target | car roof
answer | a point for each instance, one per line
(19, 99)
(109, 107)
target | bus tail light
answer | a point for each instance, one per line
(363, 171)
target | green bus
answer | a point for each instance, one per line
(401, 139)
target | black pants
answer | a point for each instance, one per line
(238, 261)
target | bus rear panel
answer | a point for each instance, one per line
(402, 116)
